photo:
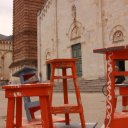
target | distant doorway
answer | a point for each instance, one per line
(76, 53)
(48, 71)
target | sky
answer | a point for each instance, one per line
(6, 17)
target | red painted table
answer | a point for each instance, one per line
(14, 93)
(113, 118)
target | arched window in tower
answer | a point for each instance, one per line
(118, 36)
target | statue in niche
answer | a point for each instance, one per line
(75, 32)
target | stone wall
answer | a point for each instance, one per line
(115, 15)
(56, 34)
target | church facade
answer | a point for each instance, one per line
(73, 28)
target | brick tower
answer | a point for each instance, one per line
(25, 32)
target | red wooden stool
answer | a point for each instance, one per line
(14, 93)
(65, 64)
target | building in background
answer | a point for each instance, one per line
(73, 28)
(25, 33)
(5, 58)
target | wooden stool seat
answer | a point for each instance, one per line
(64, 65)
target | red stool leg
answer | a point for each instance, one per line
(65, 89)
(10, 113)
(82, 120)
(125, 103)
(18, 112)
(52, 81)
(45, 113)
(77, 90)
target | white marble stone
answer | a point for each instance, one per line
(97, 21)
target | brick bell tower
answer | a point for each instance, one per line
(25, 32)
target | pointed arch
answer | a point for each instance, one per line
(48, 54)
(75, 30)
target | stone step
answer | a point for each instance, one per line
(84, 85)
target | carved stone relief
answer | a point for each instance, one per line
(117, 34)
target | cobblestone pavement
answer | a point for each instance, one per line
(93, 103)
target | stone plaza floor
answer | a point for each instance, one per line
(93, 103)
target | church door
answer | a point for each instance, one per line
(48, 71)
(76, 53)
